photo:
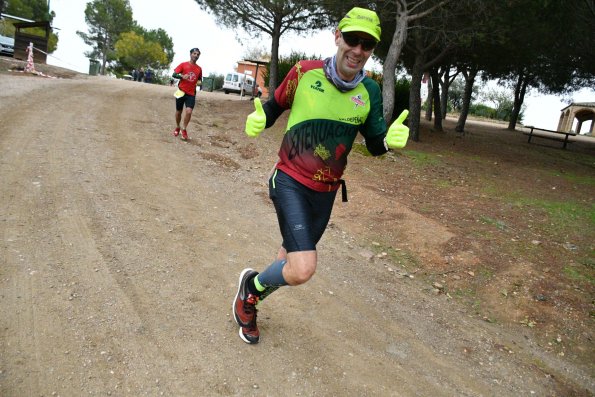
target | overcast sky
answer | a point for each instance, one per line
(187, 25)
(190, 27)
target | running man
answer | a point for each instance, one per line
(331, 101)
(190, 75)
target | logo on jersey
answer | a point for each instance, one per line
(317, 86)
(352, 120)
(322, 152)
(358, 101)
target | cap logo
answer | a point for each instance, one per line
(364, 17)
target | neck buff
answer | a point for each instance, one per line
(330, 71)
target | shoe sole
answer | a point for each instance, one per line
(233, 304)
(242, 337)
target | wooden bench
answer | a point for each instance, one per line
(559, 136)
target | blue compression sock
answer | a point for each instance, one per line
(272, 276)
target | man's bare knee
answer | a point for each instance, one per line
(300, 267)
(302, 275)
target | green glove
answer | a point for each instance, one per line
(256, 121)
(396, 137)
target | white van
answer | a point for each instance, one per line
(234, 82)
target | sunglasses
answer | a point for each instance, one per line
(353, 40)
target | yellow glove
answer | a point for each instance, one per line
(256, 121)
(396, 137)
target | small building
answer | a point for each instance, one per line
(256, 69)
(22, 39)
(584, 111)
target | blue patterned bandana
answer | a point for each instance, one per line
(330, 71)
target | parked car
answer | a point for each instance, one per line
(6, 45)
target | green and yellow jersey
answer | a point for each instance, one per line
(323, 124)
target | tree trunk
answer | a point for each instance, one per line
(415, 98)
(444, 85)
(274, 67)
(429, 101)
(103, 63)
(390, 64)
(435, 78)
(519, 97)
(469, 80)
(104, 56)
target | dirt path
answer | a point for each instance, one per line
(120, 248)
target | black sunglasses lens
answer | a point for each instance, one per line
(352, 41)
(368, 45)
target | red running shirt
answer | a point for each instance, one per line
(195, 72)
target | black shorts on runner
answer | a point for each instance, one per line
(303, 213)
(188, 100)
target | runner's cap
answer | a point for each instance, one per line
(361, 20)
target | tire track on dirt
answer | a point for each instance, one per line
(129, 337)
(24, 332)
(67, 170)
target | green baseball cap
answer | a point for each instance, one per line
(361, 20)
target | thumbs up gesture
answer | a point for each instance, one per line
(256, 121)
(396, 137)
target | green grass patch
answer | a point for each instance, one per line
(581, 274)
(578, 179)
(494, 222)
(444, 184)
(399, 257)
(468, 297)
(572, 157)
(589, 262)
(470, 157)
(564, 214)
(486, 273)
(463, 293)
(422, 159)
(491, 189)
(476, 305)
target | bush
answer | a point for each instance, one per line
(502, 113)
(402, 89)
(481, 110)
(217, 81)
